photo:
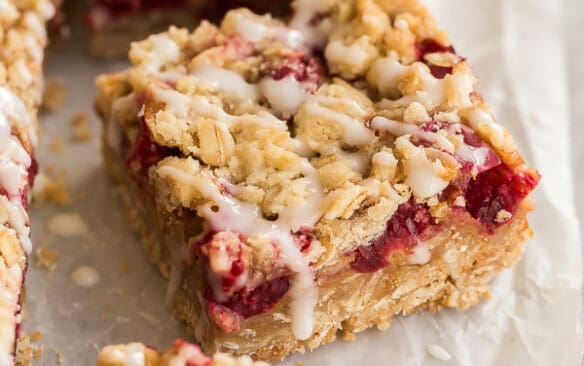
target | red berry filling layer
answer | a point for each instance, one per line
(409, 224)
(258, 300)
(496, 188)
(229, 294)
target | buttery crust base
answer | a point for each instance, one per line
(463, 261)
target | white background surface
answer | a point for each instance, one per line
(527, 74)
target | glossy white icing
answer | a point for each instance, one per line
(229, 82)
(354, 131)
(14, 162)
(285, 95)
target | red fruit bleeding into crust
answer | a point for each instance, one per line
(145, 152)
(500, 188)
(410, 223)
(428, 46)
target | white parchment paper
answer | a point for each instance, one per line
(516, 47)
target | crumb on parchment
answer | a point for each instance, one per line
(26, 350)
(81, 130)
(46, 258)
(54, 95)
(56, 145)
(51, 189)
(348, 336)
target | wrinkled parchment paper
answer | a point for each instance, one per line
(515, 46)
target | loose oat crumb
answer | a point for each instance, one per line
(60, 357)
(48, 189)
(36, 336)
(54, 95)
(26, 351)
(56, 145)
(348, 336)
(383, 325)
(81, 131)
(37, 353)
(46, 258)
(299, 363)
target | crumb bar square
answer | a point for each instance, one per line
(298, 178)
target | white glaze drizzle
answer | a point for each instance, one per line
(228, 213)
(396, 128)
(255, 28)
(304, 12)
(285, 95)
(354, 131)
(14, 162)
(388, 72)
(337, 52)
(434, 92)
(228, 82)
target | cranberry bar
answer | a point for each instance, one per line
(115, 23)
(181, 354)
(22, 40)
(298, 178)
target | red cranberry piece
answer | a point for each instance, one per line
(259, 300)
(145, 152)
(307, 71)
(33, 171)
(431, 46)
(303, 238)
(411, 221)
(497, 189)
